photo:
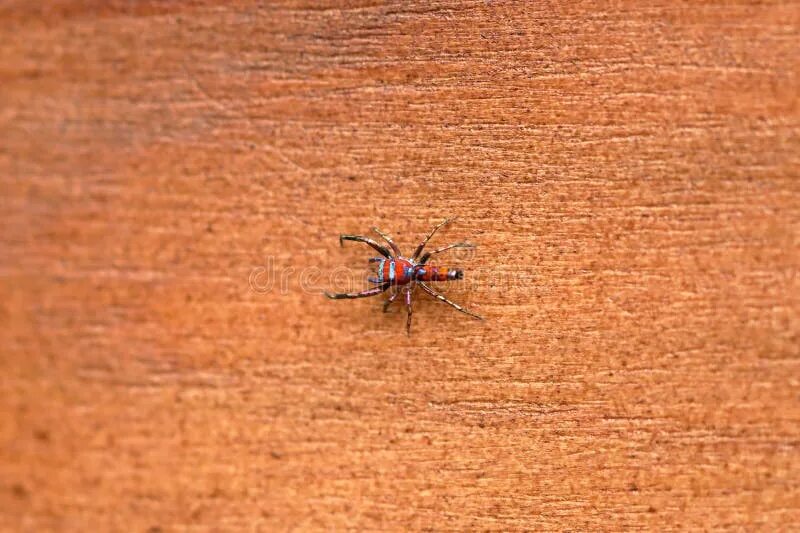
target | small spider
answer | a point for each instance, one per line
(402, 275)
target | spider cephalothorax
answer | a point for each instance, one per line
(402, 274)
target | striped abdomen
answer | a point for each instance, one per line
(432, 273)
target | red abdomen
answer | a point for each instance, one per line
(432, 273)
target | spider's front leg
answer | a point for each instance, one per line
(389, 240)
(366, 240)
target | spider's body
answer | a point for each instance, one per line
(402, 271)
(401, 274)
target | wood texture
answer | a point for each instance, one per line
(629, 171)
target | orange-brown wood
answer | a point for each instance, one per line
(175, 176)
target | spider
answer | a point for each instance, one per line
(402, 274)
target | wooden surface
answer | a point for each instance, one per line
(629, 170)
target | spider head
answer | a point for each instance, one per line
(455, 274)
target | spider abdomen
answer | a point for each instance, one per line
(432, 273)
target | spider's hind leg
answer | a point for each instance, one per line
(442, 298)
(427, 255)
(408, 306)
(362, 294)
(390, 301)
(428, 237)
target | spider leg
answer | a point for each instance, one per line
(427, 255)
(388, 239)
(362, 294)
(381, 249)
(428, 237)
(391, 300)
(438, 296)
(408, 306)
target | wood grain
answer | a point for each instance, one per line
(629, 170)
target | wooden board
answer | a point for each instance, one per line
(175, 176)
